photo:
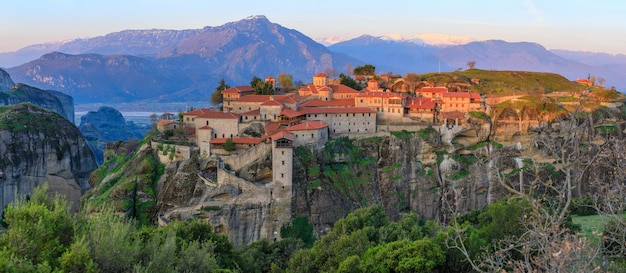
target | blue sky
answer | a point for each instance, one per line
(597, 26)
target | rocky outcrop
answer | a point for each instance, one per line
(53, 100)
(5, 81)
(105, 125)
(39, 146)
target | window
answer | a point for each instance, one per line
(283, 163)
(207, 122)
(282, 175)
(282, 152)
(311, 135)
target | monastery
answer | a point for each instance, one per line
(276, 124)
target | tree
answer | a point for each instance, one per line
(261, 87)
(366, 69)
(347, 81)
(349, 70)
(331, 72)
(285, 80)
(471, 64)
(601, 81)
(411, 79)
(154, 118)
(217, 97)
(229, 146)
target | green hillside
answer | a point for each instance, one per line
(507, 82)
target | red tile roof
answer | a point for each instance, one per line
(308, 125)
(252, 113)
(164, 122)
(238, 140)
(290, 113)
(320, 75)
(475, 96)
(329, 103)
(271, 102)
(339, 110)
(218, 114)
(282, 134)
(453, 115)
(206, 127)
(381, 95)
(198, 112)
(456, 95)
(238, 89)
(340, 88)
(420, 103)
(272, 128)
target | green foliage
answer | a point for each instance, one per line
(349, 82)
(285, 80)
(403, 256)
(301, 229)
(366, 69)
(39, 229)
(261, 87)
(404, 135)
(479, 115)
(229, 146)
(583, 206)
(217, 97)
(459, 175)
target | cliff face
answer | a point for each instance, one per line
(53, 100)
(5, 81)
(105, 125)
(39, 146)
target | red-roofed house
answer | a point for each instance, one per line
(423, 108)
(221, 124)
(329, 103)
(431, 92)
(388, 104)
(289, 117)
(165, 124)
(456, 101)
(345, 120)
(309, 133)
(234, 93)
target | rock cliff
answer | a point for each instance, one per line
(53, 100)
(38, 146)
(105, 125)
(435, 172)
(5, 81)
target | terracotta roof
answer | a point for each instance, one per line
(328, 103)
(238, 89)
(282, 134)
(272, 102)
(456, 95)
(272, 128)
(475, 96)
(420, 103)
(218, 114)
(164, 122)
(252, 113)
(439, 89)
(381, 95)
(308, 125)
(238, 140)
(198, 112)
(340, 88)
(290, 113)
(453, 115)
(206, 127)
(338, 110)
(320, 75)
(264, 98)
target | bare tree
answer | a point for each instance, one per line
(471, 64)
(601, 81)
(578, 159)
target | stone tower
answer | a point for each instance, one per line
(282, 165)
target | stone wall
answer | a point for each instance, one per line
(181, 152)
(246, 157)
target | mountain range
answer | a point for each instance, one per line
(186, 65)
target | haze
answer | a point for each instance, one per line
(583, 25)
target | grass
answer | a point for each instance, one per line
(591, 225)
